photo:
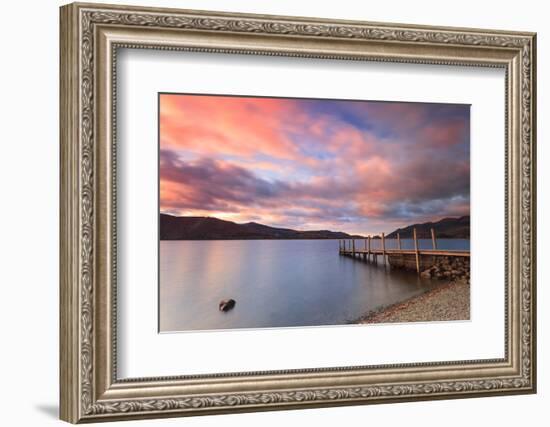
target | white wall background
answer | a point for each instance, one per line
(29, 169)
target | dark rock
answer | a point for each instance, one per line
(227, 304)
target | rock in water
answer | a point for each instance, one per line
(426, 274)
(227, 304)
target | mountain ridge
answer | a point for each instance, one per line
(446, 228)
(211, 228)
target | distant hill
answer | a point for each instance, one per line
(447, 228)
(210, 228)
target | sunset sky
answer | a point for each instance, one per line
(354, 166)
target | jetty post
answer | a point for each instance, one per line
(434, 244)
(398, 242)
(353, 247)
(369, 254)
(384, 249)
(416, 251)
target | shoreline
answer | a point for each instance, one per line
(449, 301)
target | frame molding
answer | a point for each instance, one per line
(90, 37)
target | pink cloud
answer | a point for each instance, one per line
(238, 126)
(444, 135)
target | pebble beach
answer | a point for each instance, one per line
(450, 301)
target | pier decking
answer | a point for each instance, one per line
(414, 259)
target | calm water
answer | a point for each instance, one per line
(276, 283)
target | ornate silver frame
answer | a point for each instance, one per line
(90, 36)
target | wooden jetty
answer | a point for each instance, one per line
(413, 259)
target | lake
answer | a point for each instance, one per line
(277, 283)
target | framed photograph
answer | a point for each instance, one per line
(265, 212)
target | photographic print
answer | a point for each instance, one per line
(293, 212)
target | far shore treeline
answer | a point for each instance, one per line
(210, 228)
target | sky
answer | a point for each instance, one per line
(361, 167)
